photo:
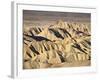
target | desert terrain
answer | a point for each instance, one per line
(56, 43)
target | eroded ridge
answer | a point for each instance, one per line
(64, 44)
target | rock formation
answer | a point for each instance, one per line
(64, 44)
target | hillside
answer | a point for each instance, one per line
(64, 44)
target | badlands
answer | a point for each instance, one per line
(63, 44)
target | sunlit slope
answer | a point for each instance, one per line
(61, 45)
